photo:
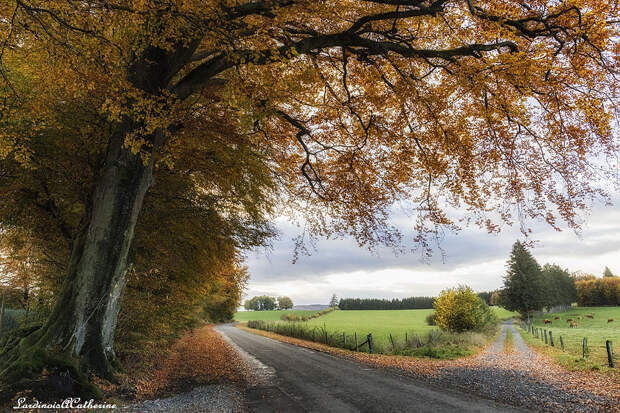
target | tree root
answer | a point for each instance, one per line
(29, 369)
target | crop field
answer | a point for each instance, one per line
(597, 330)
(381, 323)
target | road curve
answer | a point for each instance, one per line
(311, 381)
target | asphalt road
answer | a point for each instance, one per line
(310, 381)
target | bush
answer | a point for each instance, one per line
(430, 319)
(460, 309)
(303, 317)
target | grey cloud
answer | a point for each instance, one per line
(470, 247)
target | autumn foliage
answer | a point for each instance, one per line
(148, 143)
(460, 309)
(199, 357)
(598, 292)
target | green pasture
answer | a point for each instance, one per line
(381, 323)
(597, 330)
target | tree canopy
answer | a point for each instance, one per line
(354, 104)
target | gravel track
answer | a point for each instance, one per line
(522, 378)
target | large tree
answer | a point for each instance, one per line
(523, 283)
(285, 303)
(558, 286)
(352, 104)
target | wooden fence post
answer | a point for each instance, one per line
(392, 340)
(546, 341)
(562, 343)
(406, 340)
(356, 344)
(551, 338)
(371, 347)
(610, 353)
(344, 338)
(585, 347)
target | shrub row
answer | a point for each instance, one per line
(304, 317)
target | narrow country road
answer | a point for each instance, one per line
(303, 380)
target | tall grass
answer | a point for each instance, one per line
(434, 344)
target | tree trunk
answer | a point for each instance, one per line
(84, 318)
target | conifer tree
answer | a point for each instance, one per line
(523, 282)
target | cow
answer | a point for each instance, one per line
(573, 324)
(547, 321)
(610, 320)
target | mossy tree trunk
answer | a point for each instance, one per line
(82, 324)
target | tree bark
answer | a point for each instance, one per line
(84, 317)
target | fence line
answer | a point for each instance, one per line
(538, 332)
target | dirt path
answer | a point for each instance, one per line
(522, 377)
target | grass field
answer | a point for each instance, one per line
(597, 330)
(381, 323)
(274, 315)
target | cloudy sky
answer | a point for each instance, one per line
(473, 257)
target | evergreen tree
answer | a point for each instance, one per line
(607, 272)
(559, 286)
(523, 286)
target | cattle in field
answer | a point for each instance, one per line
(573, 324)
(556, 318)
(547, 321)
(610, 320)
(568, 320)
(590, 315)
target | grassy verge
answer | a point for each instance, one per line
(509, 342)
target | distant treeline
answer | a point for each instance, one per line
(409, 303)
(598, 291)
